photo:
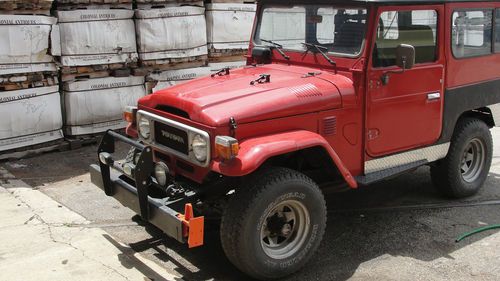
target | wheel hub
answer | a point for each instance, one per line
(285, 229)
(473, 160)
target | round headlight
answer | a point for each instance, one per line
(199, 148)
(161, 173)
(143, 126)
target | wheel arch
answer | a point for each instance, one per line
(314, 161)
(283, 148)
(482, 113)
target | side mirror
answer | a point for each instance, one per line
(405, 59)
(405, 56)
(261, 54)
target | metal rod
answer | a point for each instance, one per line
(126, 140)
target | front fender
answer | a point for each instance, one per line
(255, 151)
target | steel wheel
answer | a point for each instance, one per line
(473, 160)
(285, 229)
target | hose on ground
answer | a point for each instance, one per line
(477, 230)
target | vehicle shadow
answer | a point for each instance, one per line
(357, 231)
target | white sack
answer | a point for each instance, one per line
(29, 116)
(95, 105)
(24, 43)
(229, 26)
(90, 37)
(173, 32)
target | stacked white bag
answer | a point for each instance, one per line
(29, 117)
(24, 47)
(97, 37)
(96, 105)
(229, 26)
(30, 111)
(171, 34)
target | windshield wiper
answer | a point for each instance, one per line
(320, 50)
(277, 47)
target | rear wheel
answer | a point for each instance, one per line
(463, 172)
(273, 224)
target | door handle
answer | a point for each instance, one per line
(433, 96)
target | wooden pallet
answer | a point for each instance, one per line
(218, 53)
(227, 58)
(96, 71)
(25, 5)
(26, 12)
(98, 2)
(35, 80)
(88, 5)
(76, 142)
(166, 4)
(170, 64)
(33, 150)
(231, 1)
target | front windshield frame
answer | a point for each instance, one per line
(256, 41)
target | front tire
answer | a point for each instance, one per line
(463, 172)
(274, 223)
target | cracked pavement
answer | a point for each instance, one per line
(398, 229)
(42, 240)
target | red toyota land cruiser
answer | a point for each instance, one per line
(335, 93)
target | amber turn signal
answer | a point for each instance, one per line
(129, 114)
(226, 147)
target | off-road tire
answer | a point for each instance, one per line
(448, 176)
(243, 221)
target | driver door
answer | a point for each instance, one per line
(406, 111)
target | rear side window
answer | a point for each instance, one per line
(416, 28)
(471, 33)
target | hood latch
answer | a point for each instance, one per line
(232, 126)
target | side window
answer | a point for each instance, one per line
(416, 28)
(471, 33)
(497, 30)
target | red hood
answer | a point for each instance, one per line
(212, 101)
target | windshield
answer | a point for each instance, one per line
(340, 30)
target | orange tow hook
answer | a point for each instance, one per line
(192, 227)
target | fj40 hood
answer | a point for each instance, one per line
(291, 90)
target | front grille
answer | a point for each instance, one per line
(171, 137)
(174, 138)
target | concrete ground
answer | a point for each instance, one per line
(398, 229)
